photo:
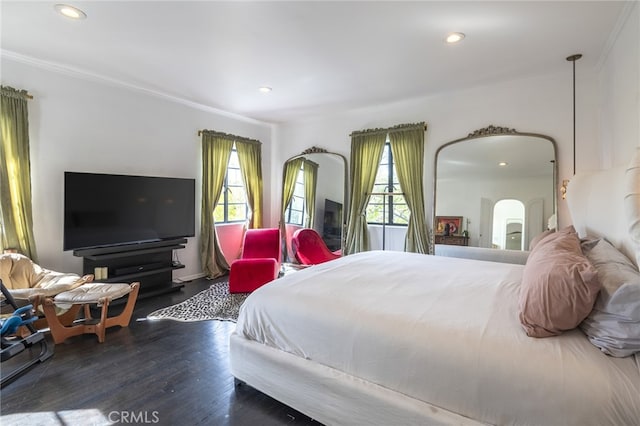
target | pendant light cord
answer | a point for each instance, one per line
(574, 58)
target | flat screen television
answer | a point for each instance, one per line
(102, 210)
(332, 226)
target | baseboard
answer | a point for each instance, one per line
(188, 278)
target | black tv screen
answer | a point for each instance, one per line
(107, 210)
(332, 218)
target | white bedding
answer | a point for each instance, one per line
(444, 331)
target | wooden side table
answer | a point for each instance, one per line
(452, 240)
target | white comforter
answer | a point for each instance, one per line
(444, 331)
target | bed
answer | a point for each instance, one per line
(400, 338)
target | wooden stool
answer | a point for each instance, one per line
(84, 296)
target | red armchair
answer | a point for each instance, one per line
(259, 262)
(310, 249)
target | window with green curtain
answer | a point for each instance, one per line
(310, 186)
(292, 174)
(382, 161)
(387, 209)
(232, 206)
(250, 159)
(216, 150)
(366, 152)
(16, 219)
(295, 212)
(407, 146)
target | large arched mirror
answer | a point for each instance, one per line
(497, 187)
(314, 195)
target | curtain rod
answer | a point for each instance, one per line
(390, 129)
(13, 92)
(228, 135)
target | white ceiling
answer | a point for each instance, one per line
(318, 56)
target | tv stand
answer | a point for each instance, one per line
(150, 263)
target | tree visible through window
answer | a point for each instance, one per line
(294, 214)
(232, 206)
(387, 209)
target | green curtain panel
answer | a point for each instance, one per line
(216, 150)
(310, 185)
(407, 146)
(250, 157)
(366, 153)
(291, 169)
(16, 219)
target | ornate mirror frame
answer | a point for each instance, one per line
(492, 131)
(345, 199)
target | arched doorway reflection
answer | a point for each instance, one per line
(508, 225)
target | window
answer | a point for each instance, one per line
(294, 214)
(387, 209)
(232, 206)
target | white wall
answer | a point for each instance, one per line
(619, 93)
(82, 124)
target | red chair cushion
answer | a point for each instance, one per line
(310, 249)
(261, 243)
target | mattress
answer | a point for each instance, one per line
(444, 331)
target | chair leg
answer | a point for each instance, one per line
(100, 328)
(125, 316)
(59, 331)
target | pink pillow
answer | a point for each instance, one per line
(559, 285)
(541, 236)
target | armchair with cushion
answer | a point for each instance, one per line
(259, 262)
(28, 281)
(60, 296)
(310, 249)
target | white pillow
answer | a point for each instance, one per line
(614, 323)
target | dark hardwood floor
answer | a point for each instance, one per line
(155, 372)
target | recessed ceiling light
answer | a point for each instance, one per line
(503, 163)
(454, 37)
(69, 11)
(265, 89)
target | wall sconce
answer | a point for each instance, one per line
(563, 188)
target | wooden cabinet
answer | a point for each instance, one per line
(452, 240)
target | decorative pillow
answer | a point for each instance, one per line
(559, 285)
(535, 240)
(614, 324)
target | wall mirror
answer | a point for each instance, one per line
(314, 195)
(501, 182)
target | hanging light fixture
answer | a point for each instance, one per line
(573, 59)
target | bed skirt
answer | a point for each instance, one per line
(328, 395)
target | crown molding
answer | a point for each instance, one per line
(102, 79)
(624, 16)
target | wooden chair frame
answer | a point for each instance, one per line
(88, 325)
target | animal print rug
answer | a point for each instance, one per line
(214, 303)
